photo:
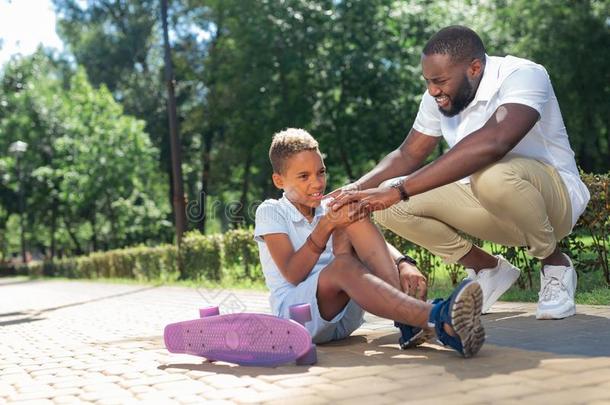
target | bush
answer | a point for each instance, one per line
(201, 256)
(235, 253)
(240, 250)
(595, 222)
(156, 263)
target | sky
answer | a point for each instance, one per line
(24, 24)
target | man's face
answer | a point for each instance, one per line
(452, 84)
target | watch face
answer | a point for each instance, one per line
(396, 183)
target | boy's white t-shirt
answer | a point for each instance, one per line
(513, 80)
(281, 216)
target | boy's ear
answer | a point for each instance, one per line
(277, 180)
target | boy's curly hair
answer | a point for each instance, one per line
(287, 143)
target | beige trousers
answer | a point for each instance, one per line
(514, 202)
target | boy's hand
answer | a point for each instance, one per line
(412, 281)
(345, 215)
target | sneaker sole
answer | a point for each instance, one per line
(422, 337)
(550, 316)
(466, 318)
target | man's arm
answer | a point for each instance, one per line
(506, 128)
(402, 161)
(502, 132)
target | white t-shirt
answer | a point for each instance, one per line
(281, 216)
(513, 80)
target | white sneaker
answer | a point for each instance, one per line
(557, 289)
(495, 281)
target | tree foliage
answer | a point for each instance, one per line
(347, 70)
(91, 180)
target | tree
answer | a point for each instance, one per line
(572, 40)
(84, 191)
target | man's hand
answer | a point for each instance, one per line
(373, 199)
(412, 281)
(341, 190)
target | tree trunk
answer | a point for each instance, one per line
(208, 138)
(79, 249)
(346, 163)
(178, 197)
(53, 227)
(240, 217)
(94, 233)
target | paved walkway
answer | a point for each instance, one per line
(63, 342)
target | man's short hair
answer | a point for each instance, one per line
(287, 143)
(461, 43)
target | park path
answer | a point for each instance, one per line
(77, 341)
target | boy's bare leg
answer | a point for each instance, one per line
(371, 248)
(347, 277)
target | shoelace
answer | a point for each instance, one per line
(551, 288)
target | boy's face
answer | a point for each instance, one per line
(303, 180)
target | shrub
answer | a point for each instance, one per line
(235, 253)
(156, 263)
(201, 256)
(240, 249)
(595, 221)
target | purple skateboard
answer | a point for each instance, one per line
(245, 338)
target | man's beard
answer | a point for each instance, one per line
(464, 96)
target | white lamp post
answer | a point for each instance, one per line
(18, 148)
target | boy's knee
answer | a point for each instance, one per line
(345, 264)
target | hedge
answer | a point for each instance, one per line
(235, 253)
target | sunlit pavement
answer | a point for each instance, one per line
(75, 341)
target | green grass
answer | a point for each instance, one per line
(226, 283)
(592, 289)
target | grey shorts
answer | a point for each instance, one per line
(321, 330)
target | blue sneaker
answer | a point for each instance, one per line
(411, 336)
(462, 312)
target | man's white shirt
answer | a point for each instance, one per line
(513, 80)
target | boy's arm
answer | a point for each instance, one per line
(295, 266)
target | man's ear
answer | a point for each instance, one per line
(475, 69)
(277, 180)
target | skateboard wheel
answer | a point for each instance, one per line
(300, 313)
(208, 311)
(309, 358)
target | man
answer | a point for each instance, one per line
(509, 176)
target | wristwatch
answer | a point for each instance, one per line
(406, 258)
(398, 185)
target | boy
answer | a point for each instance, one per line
(342, 266)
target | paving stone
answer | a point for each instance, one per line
(104, 344)
(303, 400)
(105, 394)
(225, 381)
(302, 381)
(370, 399)
(66, 399)
(185, 387)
